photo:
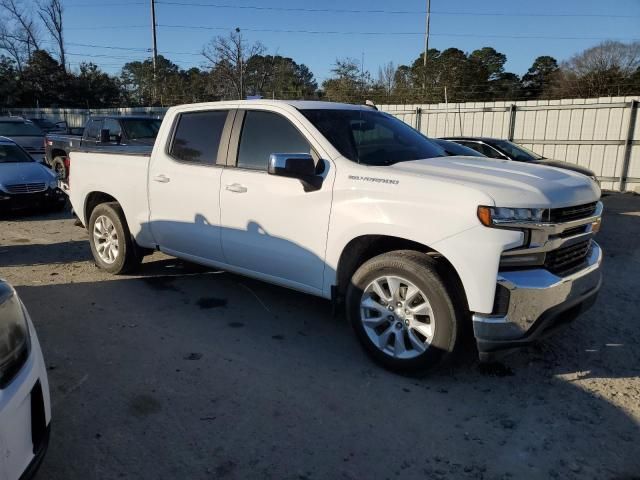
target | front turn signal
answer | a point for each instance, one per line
(484, 215)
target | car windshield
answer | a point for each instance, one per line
(141, 128)
(453, 148)
(19, 129)
(516, 152)
(371, 137)
(13, 154)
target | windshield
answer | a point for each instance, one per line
(371, 137)
(141, 128)
(13, 154)
(453, 148)
(20, 129)
(516, 152)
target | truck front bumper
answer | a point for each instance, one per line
(538, 303)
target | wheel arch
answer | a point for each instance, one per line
(364, 247)
(92, 200)
(58, 152)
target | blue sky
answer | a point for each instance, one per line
(454, 23)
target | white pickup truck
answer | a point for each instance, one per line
(353, 205)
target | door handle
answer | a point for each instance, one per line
(236, 188)
(161, 178)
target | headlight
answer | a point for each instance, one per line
(53, 183)
(496, 216)
(14, 335)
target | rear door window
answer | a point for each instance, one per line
(197, 136)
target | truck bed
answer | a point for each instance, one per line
(96, 171)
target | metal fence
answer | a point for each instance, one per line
(602, 134)
(77, 117)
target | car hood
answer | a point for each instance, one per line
(24, 172)
(566, 165)
(510, 184)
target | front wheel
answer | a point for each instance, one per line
(402, 310)
(111, 244)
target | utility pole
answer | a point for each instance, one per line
(155, 44)
(426, 47)
(239, 54)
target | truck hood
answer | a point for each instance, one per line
(510, 184)
(24, 172)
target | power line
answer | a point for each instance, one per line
(369, 33)
(386, 11)
(338, 32)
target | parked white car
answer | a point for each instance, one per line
(25, 407)
(353, 205)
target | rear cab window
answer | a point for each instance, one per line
(115, 132)
(93, 129)
(197, 137)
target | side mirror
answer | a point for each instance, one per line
(296, 165)
(104, 135)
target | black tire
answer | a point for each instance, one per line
(431, 278)
(59, 168)
(129, 255)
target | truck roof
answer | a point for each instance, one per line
(298, 104)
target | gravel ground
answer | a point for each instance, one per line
(183, 372)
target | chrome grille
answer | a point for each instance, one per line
(567, 214)
(564, 260)
(27, 188)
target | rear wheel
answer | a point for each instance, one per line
(402, 311)
(113, 248)
(59, 168)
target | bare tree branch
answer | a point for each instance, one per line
(50, 12)
(27, 27)
(228, 57)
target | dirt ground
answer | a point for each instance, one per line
(180, 372)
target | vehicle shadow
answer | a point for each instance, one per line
(30, 254)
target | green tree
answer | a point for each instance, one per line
(44, 82)
(539, 76)
(490, 63)
(9, 84)
(349, 82)
(94, 88)
(142, 88)
(279, 77)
